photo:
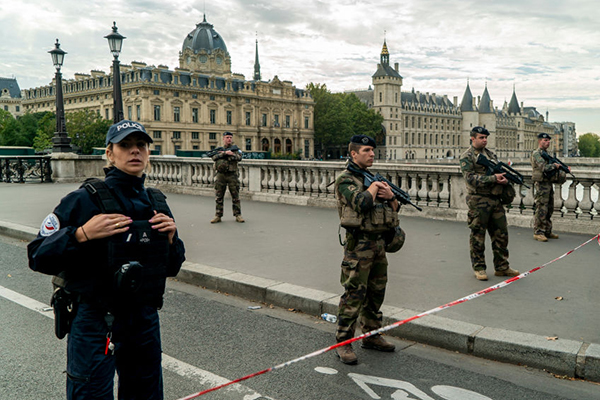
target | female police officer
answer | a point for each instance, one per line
(111, 246)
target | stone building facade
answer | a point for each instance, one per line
(189, 108)
(10, 96)
(566, 131)
(429, 126)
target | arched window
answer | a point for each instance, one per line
(265, 144)
(288, 146)
(277, 146)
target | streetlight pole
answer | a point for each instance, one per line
(115, 42)
(61, 143)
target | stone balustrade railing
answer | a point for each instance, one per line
(437, 187)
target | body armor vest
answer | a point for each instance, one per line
(380, 218)
(137, 258)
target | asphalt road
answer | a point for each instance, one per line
(209, 337)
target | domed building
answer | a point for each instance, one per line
(190, 106)
(204, 50)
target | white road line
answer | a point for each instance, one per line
(169, 363)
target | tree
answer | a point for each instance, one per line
(30, 124)
(364, 120)
(87, 129)
(43, 136)
(9, 130)
(589, 145)
(338, 116)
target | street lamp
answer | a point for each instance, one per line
(61, 143)
(115, 42)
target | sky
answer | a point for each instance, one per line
(549, 51)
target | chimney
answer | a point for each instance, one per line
(396, 66)
(455, 101)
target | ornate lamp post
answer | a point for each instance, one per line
(61, 143)
(115, 42)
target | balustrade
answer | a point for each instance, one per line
(438, 188)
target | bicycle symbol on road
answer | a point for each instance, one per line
(406, 389)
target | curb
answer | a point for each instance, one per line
(563, 357)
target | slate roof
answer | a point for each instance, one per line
(12, 86)
(204, 37)
(467, 101)
(386, 70)
(513, 106)
(485, 103)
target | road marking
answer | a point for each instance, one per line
(326, 371)
(169, 363)
(407, 389)
(26, 302)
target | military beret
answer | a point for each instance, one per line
(364, 140)
(544, 136)
(227, 134)
(480, 129)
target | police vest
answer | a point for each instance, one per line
(139, 257)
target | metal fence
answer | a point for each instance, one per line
(21, 169)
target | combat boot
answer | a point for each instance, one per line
(215, 219)
(507, 272)
(376, 342)
(346, 354)
(551, 236)
(540, 237)
(481, 275)
(238, 218)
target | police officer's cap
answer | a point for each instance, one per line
(227, 134)
(122, 129)
(480, 129)
(364, 140)
(544, 136)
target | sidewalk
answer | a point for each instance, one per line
(289, 256)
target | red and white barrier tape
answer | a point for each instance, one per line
(395, 324)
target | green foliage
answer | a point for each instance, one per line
(23, 130)
(589, 145)
(292, 156)
(43, 136)
(12, 134)
(87, 129)
(5, 119)
(339, 116)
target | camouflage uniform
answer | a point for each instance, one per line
(543, 176)
(227, 176)
(364, 267)
(486, 212)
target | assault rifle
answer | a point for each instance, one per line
(498, 167)
(553, 160)
(399, 194)
(233, 148)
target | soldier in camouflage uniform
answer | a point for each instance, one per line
(367, 214)
(226, 162)
(486, 212)
(544, 176)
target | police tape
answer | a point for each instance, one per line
(395, 324)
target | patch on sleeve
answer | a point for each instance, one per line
(50, 225)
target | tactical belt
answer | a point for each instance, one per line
(368, 236)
